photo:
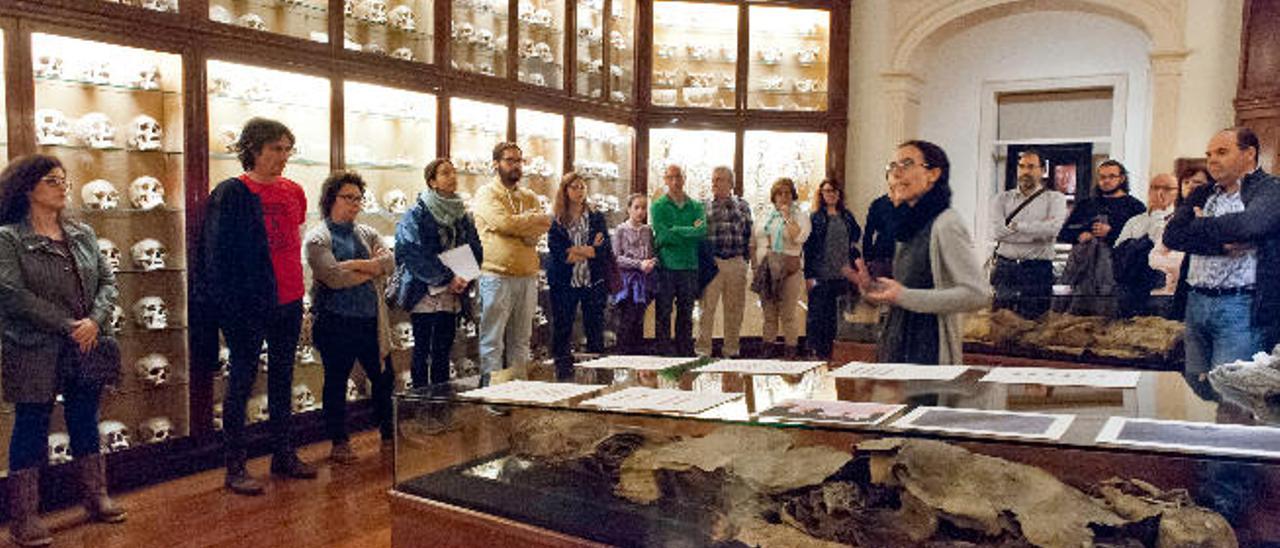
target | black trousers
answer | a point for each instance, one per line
(681, 288)
(433, 335)
(342, 341)
(564, 308)
(244, 338)
(1025, 287)
(29, 443)
(824, 308)
(631, 326)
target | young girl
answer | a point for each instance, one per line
(633, 246)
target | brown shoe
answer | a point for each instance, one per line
(93, 482)
(25, 526)
(241, 483)
(342, 453)
(290, 466)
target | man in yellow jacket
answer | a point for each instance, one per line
(510, 221)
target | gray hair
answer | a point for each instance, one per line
(679, 170)
(723, 169)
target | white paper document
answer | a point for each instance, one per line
(987, 423)
(1194, 437)
(661, 400)
(462, 262)
(899, 372)
(638, 363)
(531, 392)
(760, 367)
(1099, 378)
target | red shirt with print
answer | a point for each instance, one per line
(284, 210)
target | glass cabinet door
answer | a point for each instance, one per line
(390, 136)
(697, 151)
(166, 6)
(403, 31)
(541, 138)
(590, 45)
(789, 56)
(541, 42)
(622, 51)
(308, 19)
(113, 116)
(479, 36)
(603, 154)
(771, 155)
(695, 52)
(476, 127)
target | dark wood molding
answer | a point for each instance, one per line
(20, 102)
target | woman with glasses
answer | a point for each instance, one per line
(576, 269)
(56, 299)
(348, 265)
(831, 247)
(780, 278)
(936, 278)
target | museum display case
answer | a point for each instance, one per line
(478, 36)
(695, 54)
(789, 56)
(163, 6)
(306, 19)
(603, 152)
(598, 31)
(403, 30)
(869, 456)
(541, 138)
(541, 27)
(476, 127)
(698, 151)
(771, 155)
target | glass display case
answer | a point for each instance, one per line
(841, 461)
(771, 155)
(114, 116)
(695, 54)
(402, 30)
(789, 57)
(603, 153)
(165, 6)
(541, 39)
(697, 151)
(307, 19)
(479, 36)
(476, 128)
(591, 40)
(541, 138)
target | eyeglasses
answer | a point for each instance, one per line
(830, 191)
(53, 181)
(1109, 177)
(513, 161)
(905, 164)
(352, 198)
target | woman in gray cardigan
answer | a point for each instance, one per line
(936, 277)
(56, 298)
(349, 265)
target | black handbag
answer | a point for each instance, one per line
(99, 366)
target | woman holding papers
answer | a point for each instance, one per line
(349, 265)
(433, 287)
(580, 257)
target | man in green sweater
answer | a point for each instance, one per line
(679, 225)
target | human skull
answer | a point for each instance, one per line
(48, 66)
(156, 430)
(463, 32)
(405, 381)
(259, 410)
(353, 390)
(113, 436)
(149, 254)
(59, 448)
(96, 130)
(369, 204)
(52, 127)
(224, 361)
(373, 11)
(405, 54)
(402, 17)
(483, 39)
(117, 318)
(146, 76)
(252, 21)
(219, 14)
(110, 254)
(99, 194)
(153, 370)
(348, 8)
(144, 133)
(168, 6)
(404, 335)
(306, 354)
(303, 399)
(96, 72)
(151, 313)
(395, 201)
(264, 357)
(217, 416)
(146, 192)
(374, 47)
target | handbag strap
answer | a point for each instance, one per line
(1009, 218)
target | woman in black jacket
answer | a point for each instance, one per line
(576, 268)
(832, 246)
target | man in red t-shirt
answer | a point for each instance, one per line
(249, 265)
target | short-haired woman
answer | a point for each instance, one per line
(348, 266)
(576, 270)
(831, 247)
(779, 246)
(56, 296)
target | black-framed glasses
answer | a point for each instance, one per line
(352, 198)
(905, 164)
(54, 181)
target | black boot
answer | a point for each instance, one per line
(93, 482)
(238, 479)
(25, 526)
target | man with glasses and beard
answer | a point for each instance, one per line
(1024, 222)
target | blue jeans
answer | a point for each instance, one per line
(507, 304)
(29, 444)
(1219, 330)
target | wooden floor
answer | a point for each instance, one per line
(346, 507)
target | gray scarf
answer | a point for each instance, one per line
(446, 210)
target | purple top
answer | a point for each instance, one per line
(633, 243)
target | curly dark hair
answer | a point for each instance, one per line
(18, 180)
(258, 132)
(934, 158)
(818, 201)
(333, 185)
(1124, 174)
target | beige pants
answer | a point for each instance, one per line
(730, 285)
(783, 310)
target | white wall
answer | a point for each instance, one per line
(1038, 45)
(1209, 74)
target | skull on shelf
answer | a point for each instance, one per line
(404, 381)
(353, 390)
(99, 194)
(537, 79)
(167, 6)
(264, 358)
(117, 318)
(369, 204)
(219, 14)
(617, 41)
(348, 8)
(306, 354)
(48, 66)
(59, 448)
(404, 335)
(259, 410)
(144, 133)
(146, 192)
(405, 54)
(463, 32)
(96, 71)
(373, 11)
(149, 254)
(483, 39)
(153, 370)
(146, 76)
(224, 361)
(96, 130)
(542, 17)
(156, 430)
(303, 399)
(110, 254)
(151, 313)
(252, 21)
(395, 201)
(467, 367)
(217, 416)
(52, 127)
(375, 48)
(113, 436)
(403, 18)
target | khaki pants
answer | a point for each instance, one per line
(784, 310)
(730, 285)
